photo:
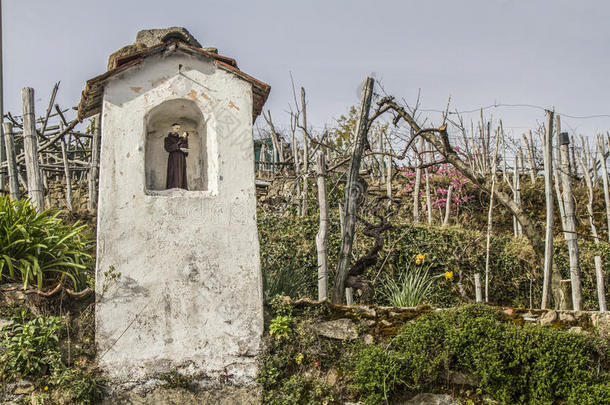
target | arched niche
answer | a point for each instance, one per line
(158, 123)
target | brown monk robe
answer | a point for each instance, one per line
(176, 161)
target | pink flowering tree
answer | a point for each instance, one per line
(442, 177)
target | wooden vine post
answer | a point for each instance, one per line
(599, 268)
(428, 197)
(550, 213)
(304, 198)
(262, 160)
(530, 155)
(382, 160)
(297, 164)
(417, 185)
(570, 220)
(388, 178)
(490, 219)
(448, 205)
(601, 150)
(556, 180)
(9, 143)
(322, 236)
(64, 156)
(518, 230)
(30, 145)
(352, 193)
(92, 204)
(477, 288)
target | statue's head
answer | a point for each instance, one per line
(175, 127)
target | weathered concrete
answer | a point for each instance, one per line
(189, 297)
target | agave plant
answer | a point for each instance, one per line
(410, 289)
(38, 249)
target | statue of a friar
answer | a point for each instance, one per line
(176, 143)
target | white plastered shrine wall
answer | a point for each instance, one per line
(189, 297)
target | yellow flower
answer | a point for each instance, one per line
(46, 387)
(449, 275)
(418, 261)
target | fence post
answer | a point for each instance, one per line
(95, 140)
(64, 156)
(352, 192)
(9, 143)
(548, 190)
(322, 236)
(477, 287)
(570, 231)
(30, 144)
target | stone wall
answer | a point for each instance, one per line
(384, 322)
(56, 195)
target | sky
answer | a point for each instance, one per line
(548, 53)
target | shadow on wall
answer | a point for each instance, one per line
(158, 122)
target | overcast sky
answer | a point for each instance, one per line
(551, 53)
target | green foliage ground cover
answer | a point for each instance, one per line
(31, 350)
(288, 258)
(40, 250)
(509, 363)
(296, 359)
(513, 364)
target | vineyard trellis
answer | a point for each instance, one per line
(46, 149)
(54, 147)
(500, 171)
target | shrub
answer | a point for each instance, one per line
(31, 349)
(296, 390)
(374, 372)
(79, 386)
(31, 346)
(280, 326)
(513, 364)
(593, 394)
(37, 248)
(286, 372)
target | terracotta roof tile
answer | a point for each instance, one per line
(91, 97)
